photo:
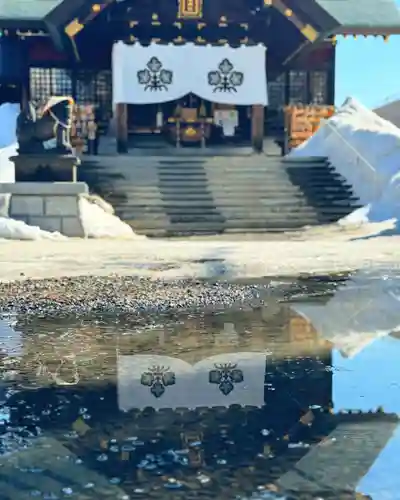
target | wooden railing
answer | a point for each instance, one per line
(301, 122)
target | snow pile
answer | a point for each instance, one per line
(365, 149)
(360, 312)
(8, 140)
(98, 220)
(11, 229)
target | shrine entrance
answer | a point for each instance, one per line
(189, 95)
(189, 122)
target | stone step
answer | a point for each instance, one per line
(199, 205)
(218, 220)
(174, 199)
(232, 215)
(218, 227)
(171, 196)
(244, 176)
(222, 199)
(304, 159)
(219, 215)
(276, 184)
(262, 218)
(196, 187)
(245, 204)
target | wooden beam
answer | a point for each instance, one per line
(257, 127)
(121, 116)
(308, 31)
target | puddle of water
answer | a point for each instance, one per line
(236, 405)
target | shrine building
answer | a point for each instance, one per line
(183, 71)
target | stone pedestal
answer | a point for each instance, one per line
(45, 168)
(52, 206)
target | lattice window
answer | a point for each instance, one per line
(319, 87)
(40, 84)
(85, 86)
(47, 82)
(61, 81)
(276, 92)
(95, 87)
(298, 87)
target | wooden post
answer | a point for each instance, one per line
(122, 127)
(257, 127)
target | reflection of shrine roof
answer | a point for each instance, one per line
(266, 443)
(233, 446)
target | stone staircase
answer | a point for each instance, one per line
(183, 195)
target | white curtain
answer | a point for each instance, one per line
(161, 73)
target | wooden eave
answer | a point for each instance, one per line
(25, 24)
(366, 31)
(310, 17)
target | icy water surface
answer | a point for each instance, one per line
(236, 405)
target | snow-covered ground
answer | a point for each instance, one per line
(365, 149)
(199, 258)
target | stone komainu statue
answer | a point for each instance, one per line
(49, 133)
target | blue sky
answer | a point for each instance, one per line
(355, 388)
(368, 69)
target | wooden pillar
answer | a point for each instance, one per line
(257, 127)
(121, 112)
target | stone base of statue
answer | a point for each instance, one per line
(45, 167)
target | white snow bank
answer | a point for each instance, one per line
(8, 140)
(11, 229)
(7, 168)
(365, 149)
(360, 312)
(98, 220)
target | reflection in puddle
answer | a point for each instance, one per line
(234, 405)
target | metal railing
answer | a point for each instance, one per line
(365, 170)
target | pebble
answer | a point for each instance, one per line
(120, 295)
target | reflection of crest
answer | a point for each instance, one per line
(66, 372)
(225, 376)
(225, 79)
(158, 378)
(154, 77)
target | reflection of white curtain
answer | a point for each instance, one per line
(161, 73)
(166, 382)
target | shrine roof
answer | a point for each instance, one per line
(27, 9)
(366, 16)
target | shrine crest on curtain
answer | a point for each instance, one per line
(190, 9)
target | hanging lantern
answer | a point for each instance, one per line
(386, 38)
(190, 9)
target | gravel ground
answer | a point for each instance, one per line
(147, 276)
(120, 295)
